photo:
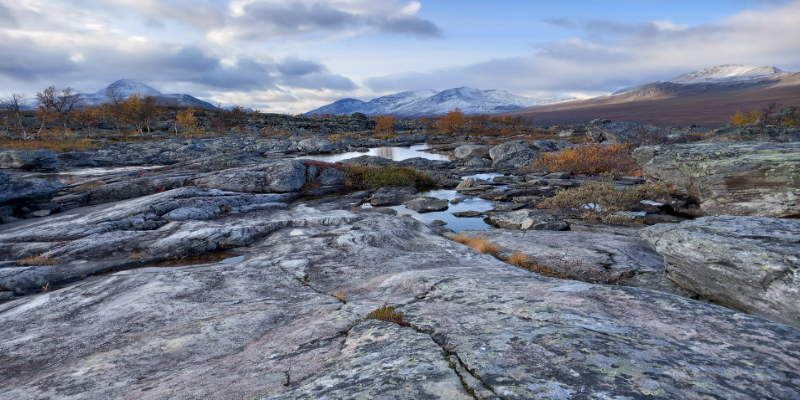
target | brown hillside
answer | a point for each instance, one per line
(709, 110)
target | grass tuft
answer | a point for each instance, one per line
(340, 296)
(483, 245)
(37, 260)
(388, 314)
(519, 259)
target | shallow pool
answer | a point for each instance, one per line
(392, 153)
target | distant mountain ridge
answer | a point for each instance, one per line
(431, 103)
(708, 97)
(128, 87)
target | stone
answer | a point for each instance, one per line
(316, 145)
(589, 257)
(278, 176)
(438, 222)
(467, 214)
(332, 176)
(751, 264)
(558, 175)
(550, 146)
(469, 151)
(757, 179)
(466, 184)
(29, 159)
(457, 200)
(526, 220)
(427, 204)
(511, 155)
(478, 163)
(392, 196)
(13, 188)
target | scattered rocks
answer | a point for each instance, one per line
(316, 145)
(427, 204)
(470, 151)
(526, 220)
(467, 214)
(511, 155)
(759, 179)
(392, 196)
(747, 263)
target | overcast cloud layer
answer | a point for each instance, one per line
(295, 55)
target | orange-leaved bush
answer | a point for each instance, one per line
(740, 119)
(591, 158)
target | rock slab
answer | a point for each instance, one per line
(750, 264)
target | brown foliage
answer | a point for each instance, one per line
(483, 245)
(385, 124)
(451, 122)
(591, 158)
(388, 314)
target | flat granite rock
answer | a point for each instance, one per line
(750, 264)
(271, 327)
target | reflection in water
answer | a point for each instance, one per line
(392, 153)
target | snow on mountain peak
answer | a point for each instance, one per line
(128, 87)
(728, 71)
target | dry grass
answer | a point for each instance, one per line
(519, 259)
(388, 314)
(483, 245)
(340, 296)
(590, 158)
(461, 239)
(546, 271)
(137, 255)
(37, 260)
(55, 142)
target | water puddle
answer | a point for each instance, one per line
(177, 264)
(393, 153)
(85, 174)
(469, 203)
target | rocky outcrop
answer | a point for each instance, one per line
(392, 196)
(747, 263)
(587, 256)
(427, 204)
(759, 179)
(604, 130)
(14, 188)
(270, 327)
(470, 151)
(511, 155)
(316, 145)
(275, 176)
(29, 159)
(524, 220)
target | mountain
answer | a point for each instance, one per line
(430, 102)
(128, 87)
(707, 97)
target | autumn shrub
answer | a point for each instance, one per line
(388, 314)
(385, 124)
(740, 119)
(600, 200)
(483, 245)
(387, 176)
(591, 158)
(461, 239)
(453, 121)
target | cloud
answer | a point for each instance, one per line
(614, 55)
(263, 20)
(200, 14)
(563, 22)
(7, 17)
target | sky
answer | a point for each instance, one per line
(292, 56)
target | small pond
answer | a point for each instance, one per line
(455, 223)
(392, 153)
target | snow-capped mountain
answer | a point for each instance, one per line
(128, 87)
(729, 74)
(430, 102)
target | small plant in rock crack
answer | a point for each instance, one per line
(136, 255)
(519, 259)
(46, 287)
(340, 296)
(38, 260)
(483, 245)
(388, 314)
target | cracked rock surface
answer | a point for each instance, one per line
(270, 326)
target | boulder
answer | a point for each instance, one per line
(467, 214)
(332, 176)
(467, 183)
(29, 159)
(14, 188)
(751, 264)
(469, 151)
(536, 220)
(550, 146)
(758, 179)
(427, 204)
(316, 145)
(279, 176)
(478, 163)
(512, 155)
(392, 196)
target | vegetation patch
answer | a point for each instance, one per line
(38, 260)
(388, 314)
(483, 245)
(387, 176)
(590, 158)
(600, 200)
